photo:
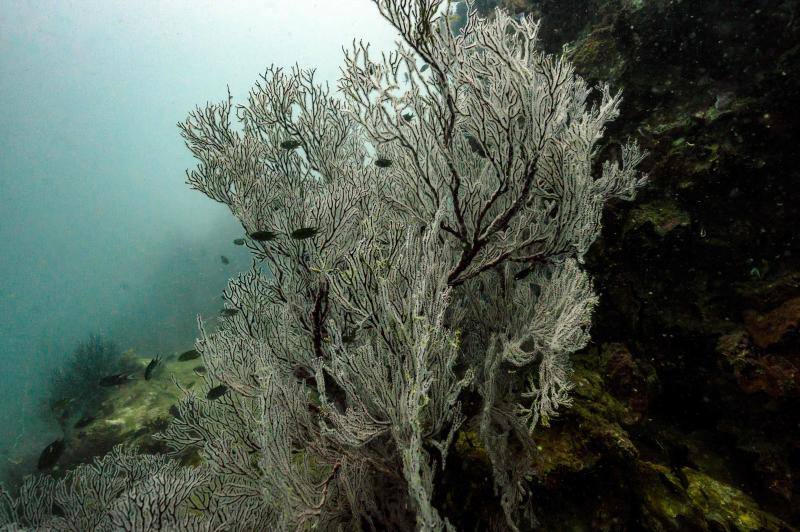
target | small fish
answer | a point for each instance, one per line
(263, 236)
(199, 369)
(173, 409)
(115, 380)
(476, 146)
(304, 232)
(51, 454)
(382, 162)
(191, 354)
(84, 422)
(238, 241)
(216, 392)
(523, 273)
(408, 117)
(303, 374)
(148, 372)
(290, 144)
(424, 67)
(229, 312)
(224, 259)
(348, 336)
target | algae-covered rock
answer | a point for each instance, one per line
(662, 215)
(131, 412)
(602, 466)
(629, 378)
(774, 374)
(590, 430)
(686, 499)
(776, 326)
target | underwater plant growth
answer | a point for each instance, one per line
(78, 385)
(417, 241)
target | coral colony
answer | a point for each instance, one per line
(417, 237)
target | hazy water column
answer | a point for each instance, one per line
(98, 231)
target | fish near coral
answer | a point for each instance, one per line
(148, 372)
(224, 259)
(304, 232)
(191, 354)
(476, 146)
(216, 392)
(290, 144)
(263, 236)
(51, 454)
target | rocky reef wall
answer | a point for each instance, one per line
(688, 402)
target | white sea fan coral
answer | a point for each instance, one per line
(416, 234)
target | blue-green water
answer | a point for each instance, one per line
(98, 231)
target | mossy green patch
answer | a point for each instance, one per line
(689, 499)
(132, 412)
(468, 444)
(663, 215)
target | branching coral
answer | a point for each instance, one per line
(74, 387)
(416, 234)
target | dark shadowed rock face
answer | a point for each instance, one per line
(687, 410)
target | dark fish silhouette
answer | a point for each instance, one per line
(51, 454)
(173, 409)
(349, 337)
(382, 162)
(84, 422)
(148, 372)
(476, 146)
(263, 236)
(239, 241)
(229, 312)
(224, 259)
(424, 67)
(115, 380)
(290, 144)
(216, 392)
(191, 354)
(408, 117)
(200, 369)
(304, 232)
(523, 273)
